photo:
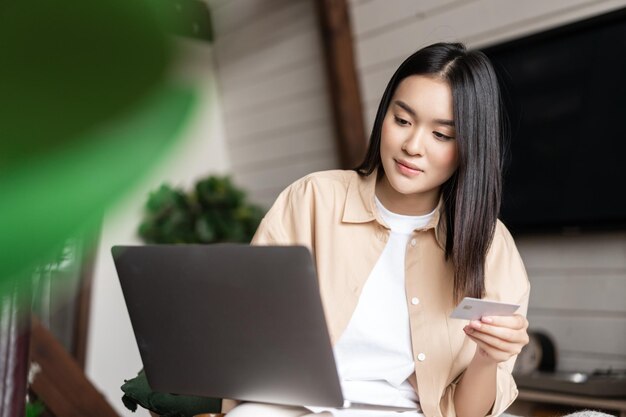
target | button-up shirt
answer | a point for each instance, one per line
(333, 213)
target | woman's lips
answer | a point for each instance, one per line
(407, 170)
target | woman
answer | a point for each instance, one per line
(400, 240)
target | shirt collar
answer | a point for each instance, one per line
(360, 206)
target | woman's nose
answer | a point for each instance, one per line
(414, 145)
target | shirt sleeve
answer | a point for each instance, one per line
(290, 219)
(505, 280)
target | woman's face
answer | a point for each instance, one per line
(418, 146)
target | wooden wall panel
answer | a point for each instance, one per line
(374, 17)
(283, 115)
(252, 97)
(231, 15)
(273, 85)
(587, 292)
(283, 55)
(252, 35)
(280, 148)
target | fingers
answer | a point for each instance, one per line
(499, 337)
(489, 351)
(504, 345)
(510, 329)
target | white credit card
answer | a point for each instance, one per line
(474, 308)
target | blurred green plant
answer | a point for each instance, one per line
(34, 409)
(215, 211)
(87, 107)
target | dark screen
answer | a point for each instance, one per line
(565, 95)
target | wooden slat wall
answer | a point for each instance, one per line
(579, 282)
(272, 82)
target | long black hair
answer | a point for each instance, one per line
(472, 195)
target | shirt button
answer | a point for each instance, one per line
(413, 242)
(421, 357)
(415, 301)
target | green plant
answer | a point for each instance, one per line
(34, 409)
(215, 211)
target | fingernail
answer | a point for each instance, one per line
(468, 330)
(487, 319)
(475, 324)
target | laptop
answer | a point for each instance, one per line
(232, 321)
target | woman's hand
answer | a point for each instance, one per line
(498, 337)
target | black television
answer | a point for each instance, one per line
(564, 91)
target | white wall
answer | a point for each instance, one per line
(277, 110)
(112, 351)
(579, 281)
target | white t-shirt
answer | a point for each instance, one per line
(374, 356)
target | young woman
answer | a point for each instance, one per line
(400, 240)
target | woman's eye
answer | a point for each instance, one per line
(400, 121)
(441, 136)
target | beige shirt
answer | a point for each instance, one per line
(333, 213)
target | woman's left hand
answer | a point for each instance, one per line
(498, 337)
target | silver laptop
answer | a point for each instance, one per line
(231, 321)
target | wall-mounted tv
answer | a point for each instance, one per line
(565, 94)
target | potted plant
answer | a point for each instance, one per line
(215, 211)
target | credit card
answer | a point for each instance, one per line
(474, 308)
